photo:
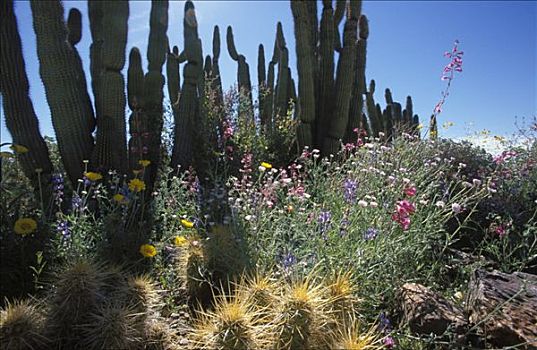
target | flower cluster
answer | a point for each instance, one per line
(403, 209)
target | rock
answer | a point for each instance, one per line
(503, 307)
(427, 312)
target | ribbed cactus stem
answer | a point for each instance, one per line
(433, 128)
(243, 77)
(326, 72)
(343, 87)
(20, 117)
(261, 82)
(388, 120)
(338, 16)
(215, 75)
(269, 98)
(415, 125)
(388, 97)
(306, 62)
(174, 79)
(71, 111)
(359, 84)
(74, 26)
(410, 112)
(111, 145)
(372, 110)
(188, 111)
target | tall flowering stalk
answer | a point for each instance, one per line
(448, 74)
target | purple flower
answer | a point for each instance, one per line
(343, 228)
(288, 260)
(57, 188)
(370, 233)
(76, 202)
(324, 221)
(349, 190)
(384, 324)
(389, 342)
(64, 229)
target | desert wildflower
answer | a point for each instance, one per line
(266, 165)
(186, 223)
(136, 185)
(20, 149)
(144, 162)
(93, 176)
(148, 250)
(24, 226)
(118, 198)
(6, 155)
(180, 241)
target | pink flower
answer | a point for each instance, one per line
(410, 191)
(456, 208)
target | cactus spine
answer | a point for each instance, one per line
(72, 114)
(21, 120)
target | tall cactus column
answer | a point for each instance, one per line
(306, 34)
(72, 115)
(111, 144)
(359, 84)
(21, 120)
(188, 110)
(243, 75)
(344, 81)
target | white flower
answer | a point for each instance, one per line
(440, 204)
(249, 217)
(374, 204)
(476, 182)
(456, 207)
(362, 203)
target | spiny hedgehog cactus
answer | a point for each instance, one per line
(21, 327)
(233, 324)
(340, 291)
(352, 337)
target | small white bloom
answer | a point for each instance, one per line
(456, 207)
(374, 204)
(440, 204)
(476, 182)
(362, 203)
(262, 168)
(406, 180)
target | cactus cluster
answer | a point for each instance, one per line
(263, 311)
(90, 306)
(393, 120)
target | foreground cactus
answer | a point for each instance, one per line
(21, 120)
(71, 110)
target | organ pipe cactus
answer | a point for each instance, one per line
(21, 120)
(146, 95)
(344, 82)
(359, 85)
(111, 146)
(261, 83)
(188, 109)
(243, 74)
(306, 62)
(71, 110)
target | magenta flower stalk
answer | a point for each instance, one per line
(448, 74)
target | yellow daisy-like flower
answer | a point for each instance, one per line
(20, 149)
(148, 250)
(119, 198)
(180, 241)
(144, 162)
(420, 126)
(136, 185)
(186, 223)
(93, 176)
(24, 226)
(266, 165)
(6, 155)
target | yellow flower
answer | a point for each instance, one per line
(6, 155)
(186, 223)
(136, 185)
(148, 250)
(144, 162)
(93, 176)
(20, 149)
(266, 165)
(119, 198)
(420, 126)
(25, 226)
(180, 241)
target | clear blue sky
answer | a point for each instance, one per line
(405, 52)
